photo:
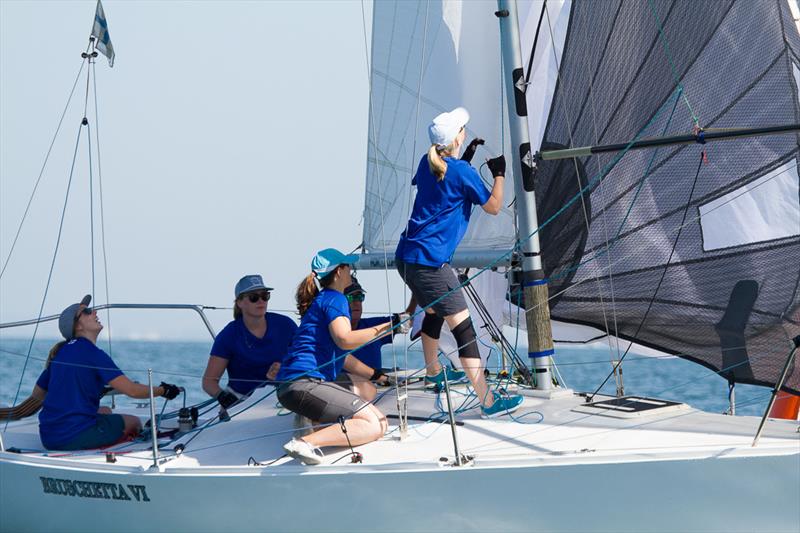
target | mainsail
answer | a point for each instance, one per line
(693, 250)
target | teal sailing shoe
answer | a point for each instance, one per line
(503, 405)
(453, 376)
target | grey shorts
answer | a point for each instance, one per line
(321, 401)
(429, 284)
(107, 430)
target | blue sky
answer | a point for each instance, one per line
(233, 138)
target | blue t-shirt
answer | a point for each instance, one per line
(74, 382)
(370, 354)
(249, 357)
(313, 345)
(441, 212)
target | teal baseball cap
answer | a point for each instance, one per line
(328, 259)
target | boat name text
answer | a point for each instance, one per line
(93, 489)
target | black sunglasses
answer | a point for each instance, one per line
(256, 296)
(84, 311)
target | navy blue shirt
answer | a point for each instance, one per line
(74, 381)
(313, 345)
(441, 212)
(249, 357)
(370, 354)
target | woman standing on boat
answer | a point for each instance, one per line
(447, 189)
(324, 329)
(250, 348)
(73, 382)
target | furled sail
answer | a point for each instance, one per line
(694, 249)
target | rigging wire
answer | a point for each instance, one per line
(663, 273)
(41, 171)
(52, 267)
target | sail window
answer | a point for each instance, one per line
(765, 209)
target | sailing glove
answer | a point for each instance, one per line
(170, 391)
(401, 323)
(497, 166)
(469, 151)
(226, 399)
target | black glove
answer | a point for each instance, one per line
(469, 151)
(497, 166)
(226, 399)
(170, 391)
(377, 375)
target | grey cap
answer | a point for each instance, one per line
(354, 287)
(68, 317)
(251, 282)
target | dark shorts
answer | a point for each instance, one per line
(345, 380)
(321, 401)
(428, 284)
(107, 430)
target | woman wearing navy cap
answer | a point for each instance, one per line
(324, 330)
(73, 382)
(250, 348)
(447, 190)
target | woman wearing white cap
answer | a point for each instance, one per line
(324, 330)
(447, 190)
(250, 348)
(73, 382)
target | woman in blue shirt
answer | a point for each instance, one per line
(250, 348)
(75, 379)
(315, 352)
(447, 190)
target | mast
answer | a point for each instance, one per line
(537, 313)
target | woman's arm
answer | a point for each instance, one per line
(26, 408)
(497, 166)
(134, 390)
(347, 338)
(214, 370)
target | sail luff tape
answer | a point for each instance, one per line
(544, 353)
(535, 282)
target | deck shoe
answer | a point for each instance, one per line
(503, 405)
(453, 376)
(303, 451)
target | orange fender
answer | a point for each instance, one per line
(787, 405)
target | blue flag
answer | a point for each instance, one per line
(100, 32)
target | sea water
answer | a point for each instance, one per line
(582, 368)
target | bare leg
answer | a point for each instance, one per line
(133, 426)
(363, 388)
(367, 425)
(473, 367)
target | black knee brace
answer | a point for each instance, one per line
(466, 339)
(432, 325)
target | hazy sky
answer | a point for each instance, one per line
(233, 138)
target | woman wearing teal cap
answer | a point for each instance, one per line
(324, 330)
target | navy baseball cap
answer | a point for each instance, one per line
(328, 259)
(251, 282)
(68, 317)
(354, 288)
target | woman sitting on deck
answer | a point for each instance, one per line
(324, 327)
(73, 382)
(250, 348)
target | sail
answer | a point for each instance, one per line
(693, 249)
(427, 58)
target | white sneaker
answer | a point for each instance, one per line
(303, 451)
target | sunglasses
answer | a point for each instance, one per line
(256, 296)
(84, 311)
(356, 297)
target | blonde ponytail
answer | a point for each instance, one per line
(436, 164)
(53, 351)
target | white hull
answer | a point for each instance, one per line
(680, 470)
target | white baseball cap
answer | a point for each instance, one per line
(445, 127)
